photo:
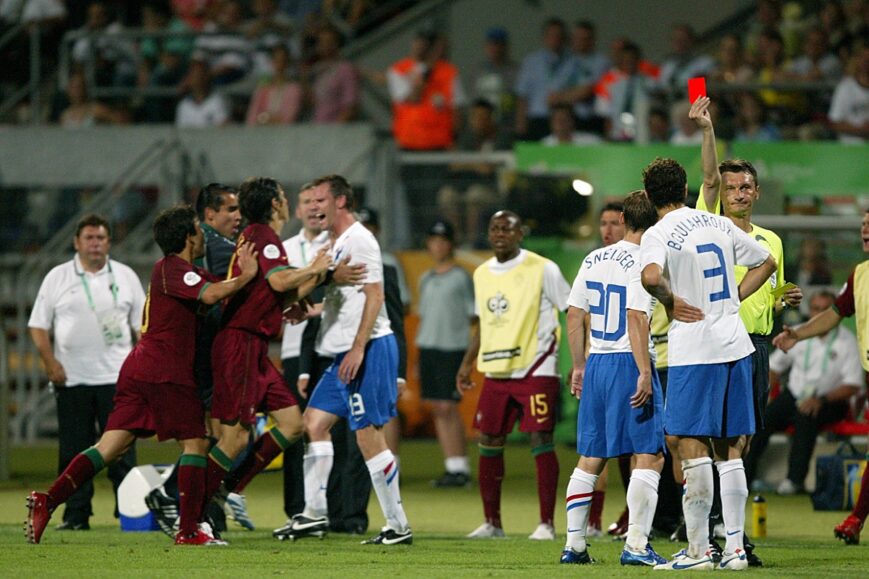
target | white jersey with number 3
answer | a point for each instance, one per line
(607, 286)
(697, 252)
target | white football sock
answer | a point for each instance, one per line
(579, 491)
(734, 493)
(696, 503)
(384, 477)
(317, 467)
(458, 464)
(642, 500)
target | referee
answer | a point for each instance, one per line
(731, 189)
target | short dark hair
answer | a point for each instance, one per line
(586, 24)
(665, 181)
(633, 47)
(554, 22)
(611, 206)
(92, 220)
(255, 198)
(639, 212)
(561, 107)
(211, 197)
(738, 166)
(481, 103)
(172, 227)
(339, 187)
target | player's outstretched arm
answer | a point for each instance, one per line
(576, 338)
(819, 324)
(308, 276)
(638, 333)
(699, 113)
(756, 277)
(346, 274)
(463, 376)
(247, 261)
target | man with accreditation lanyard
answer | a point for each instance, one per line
(731, 189)
(92, 304)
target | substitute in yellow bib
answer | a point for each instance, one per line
(514, 341)
(852, 300)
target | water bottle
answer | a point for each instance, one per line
(758, 514)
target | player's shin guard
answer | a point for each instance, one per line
(696, 502)
(191, 491)
(734, 492)
(861, 509)
(384, 478)
(81, 469)
(580, 489)
(218, 464)
(266, 448)
(642, 500)
(318, 465)
(547, 480)
(491, 475)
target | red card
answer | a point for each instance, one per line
(696, 88)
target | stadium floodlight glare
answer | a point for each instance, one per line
(584, 188)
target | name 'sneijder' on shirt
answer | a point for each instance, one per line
(624, 258)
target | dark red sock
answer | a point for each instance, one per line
(625, 470)
(596, 510)
(81, 469)
(861, 509)
(217, 465)
(191, 491)
(547, 482)
(491, 475)
(264, 451)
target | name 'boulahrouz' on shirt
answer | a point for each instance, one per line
(681, 230)
(622, 257)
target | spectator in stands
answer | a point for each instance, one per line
(472, 188)
(659, 126)
(751, 122)
(622, 95)
(277, 101)
(731, 65)
(157, 18)
(682, 63)
(112, 58)
(849, 111)
(227, 51)
(349, 12)
(495, 78)
(193, 12)
(562, 126)
(265, 30)
(201, 107)
(589, 67)
(426, 94)
(542, 73)
(835, 26)
(816, 61)
(169, 71)
(768, 16)
(686, 130)
(84, 112)
(773, 68)
(333, 80)
(825, 373)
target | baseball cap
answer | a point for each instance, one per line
(442, 228)
(497, 34)
(368, 216)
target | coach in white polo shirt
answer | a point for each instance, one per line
(92, 305)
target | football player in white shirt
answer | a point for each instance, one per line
(709, 395)
(361, 384)
(622, 401)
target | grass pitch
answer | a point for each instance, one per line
(800, 541)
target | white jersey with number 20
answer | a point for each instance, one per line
(697, 252)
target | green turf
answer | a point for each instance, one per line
(800, 542)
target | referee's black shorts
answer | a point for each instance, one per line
(760, 377)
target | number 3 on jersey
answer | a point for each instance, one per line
(612, 311)
(716, 271)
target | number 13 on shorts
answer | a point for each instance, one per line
(539, 407)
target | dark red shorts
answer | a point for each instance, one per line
(530, 400)
(245, 380)
(145, 408)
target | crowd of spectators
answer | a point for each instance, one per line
(213, 62)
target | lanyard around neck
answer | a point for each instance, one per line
(87, 290)
(831, 337)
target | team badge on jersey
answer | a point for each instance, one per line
(192, 278)
(271, 251)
